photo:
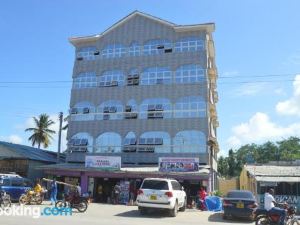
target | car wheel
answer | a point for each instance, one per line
(142, 211)
(174, 211)
(182, 209)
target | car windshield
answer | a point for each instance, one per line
(238, 194)
(155, 184)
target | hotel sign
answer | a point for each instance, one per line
(104, 162)
(178, 164)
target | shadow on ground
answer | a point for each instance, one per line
(218, 217)
(155, 214)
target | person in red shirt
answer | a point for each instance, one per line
(201, 196)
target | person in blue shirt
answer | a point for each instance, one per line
(53, 192)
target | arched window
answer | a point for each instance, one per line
(189, 141)
(190, 107)
(155, 108)
(86, 53)
(110, 110)
(156, 75)
(114, 51)
(189, 74)
(112, 78)
(189, 44)
(158, 141)
(109, 142)
(153, 47)
(134, 49)
(85, 80)
(82, 111)
(81, 142)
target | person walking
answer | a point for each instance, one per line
(53, 196)
(117, 190)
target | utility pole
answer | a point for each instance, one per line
(61, 115)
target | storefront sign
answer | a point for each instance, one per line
(105, 162)
(174, 164)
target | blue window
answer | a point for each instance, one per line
(114, 51)
(110, 110)
(189, 74)
(85, 80)
(153, 47)
(156, 75)
(134, 49)
(112, 78)
(190, 107)
(86, 53)
(189, 141)
(150, 139)
(158, 107)
(81, 142)
(108, 142)
(82, 111)
(189, 44)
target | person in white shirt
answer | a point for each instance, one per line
(78, 189)
(270, 206)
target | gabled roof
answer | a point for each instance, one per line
(179, 28)
(15, 151)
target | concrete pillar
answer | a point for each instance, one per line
(83, 182)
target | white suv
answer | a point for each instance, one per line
(161, 194)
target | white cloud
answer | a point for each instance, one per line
(279, 91)
(259, 129)
(12, 139)
(291, 106)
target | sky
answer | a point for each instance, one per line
(257, 55)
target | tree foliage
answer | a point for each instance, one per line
(285, 150)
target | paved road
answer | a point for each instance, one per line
(121, 215)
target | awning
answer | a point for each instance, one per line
(277, 179)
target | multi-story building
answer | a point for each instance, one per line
(144, 88)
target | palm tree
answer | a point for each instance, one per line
(41, 132)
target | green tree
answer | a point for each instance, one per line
(267, 152)
(223, 166)
(289, 148)
(41, 131)
(231, 163)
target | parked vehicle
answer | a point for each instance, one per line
(161, 194)
(31, 197)
(14, 186)
(4, 200)
(73, 201)
(262, 216)
(239, 203)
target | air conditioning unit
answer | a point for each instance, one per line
(101, 84)
(151, 115)
(113, 109)
(74, 111)
(159, 81)
(106, 117)
(136, 82)
(160, 47)
(159, 107)
(130, 82)
(86, 110)
(158, 141)
(168, 50)
(130, 77)
(128, 108)
(106, 109)
(159, 115)
(79, 58)
(114, 83)
(151, 107)
(136, 76)
(96, 53)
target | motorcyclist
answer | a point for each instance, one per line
(270, 205)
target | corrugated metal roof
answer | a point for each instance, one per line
(277, 179)
(27, 152)
(273, 171)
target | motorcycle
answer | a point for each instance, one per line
(73, 201)
(30, 197)
(263, 217)
(5, 201)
